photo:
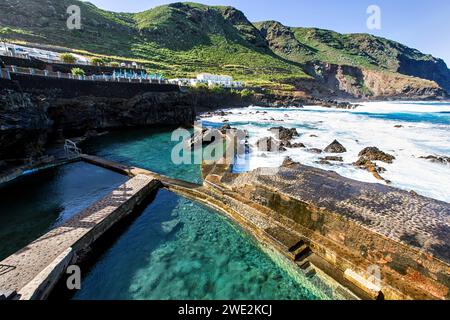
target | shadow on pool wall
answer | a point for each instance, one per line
(33, 204)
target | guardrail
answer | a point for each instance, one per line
(71, 149)
(6, 74)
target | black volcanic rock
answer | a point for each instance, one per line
(269, 144)
(297, 145)
(335, 147)
(330, 158)
(375, 154)
(285, 134)
(437, 159)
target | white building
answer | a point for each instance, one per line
(210, 79)
(184, 82)
(9, 49)
(218, 80)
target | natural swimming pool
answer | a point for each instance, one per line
(33, 204)
(176, 249)
(179, 249)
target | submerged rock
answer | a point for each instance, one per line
(297, 145)
(332, 158)
(335, 147)
(168, 227)
(324, 162)
(314, 150)
(437, 159)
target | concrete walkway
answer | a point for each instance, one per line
(33, 271)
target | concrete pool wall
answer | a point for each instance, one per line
(32, 272)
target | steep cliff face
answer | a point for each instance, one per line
(433, 69)
(28, 121)
(347, 82)
(75, 117)
(359, 65)
(24, 124)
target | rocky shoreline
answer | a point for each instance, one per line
(351, 227)
(32, 120)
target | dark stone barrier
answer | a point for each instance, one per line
(24, 63)
(71, 88)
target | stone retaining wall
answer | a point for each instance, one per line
(71, 88)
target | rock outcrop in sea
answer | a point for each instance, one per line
(335, 147)
(367, 158)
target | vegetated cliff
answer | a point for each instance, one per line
(182, 39)
(359, 65)
(349, 82)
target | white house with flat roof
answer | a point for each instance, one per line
(10, 49)
(218, 80)
(209, 79)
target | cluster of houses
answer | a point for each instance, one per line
(14, 50)
(209, 79)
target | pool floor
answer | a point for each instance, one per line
(177, 249)
(33, 204)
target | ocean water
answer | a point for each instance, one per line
(33, 204)
(177, 249)
(425, 131)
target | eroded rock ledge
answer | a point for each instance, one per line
(353, 225)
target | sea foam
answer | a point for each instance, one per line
(406, 130)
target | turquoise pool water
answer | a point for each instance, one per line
(150, 149)
(177, 249)
(33, 204)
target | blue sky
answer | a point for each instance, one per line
(421, 24)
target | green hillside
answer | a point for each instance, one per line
(309, 45)
(178, 39)
(182, 39)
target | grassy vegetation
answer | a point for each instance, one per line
(183, 39)
(68, 58)
(360, 50)
(77, 72)
(178, 40)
